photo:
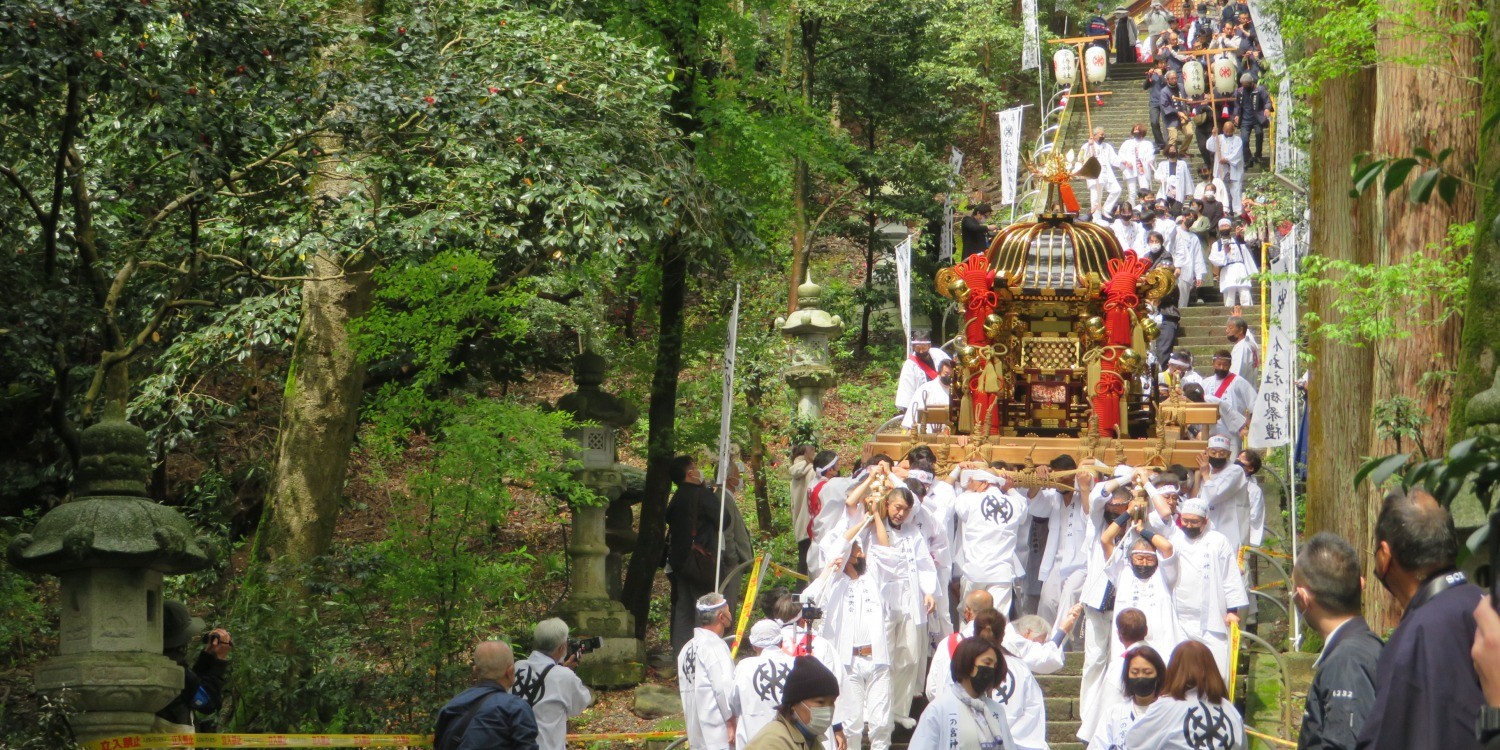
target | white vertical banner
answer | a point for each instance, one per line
(1010, 153)
(945, 247)
(726, 411)
(1271, 422)
(903, 287)
(1031, 52)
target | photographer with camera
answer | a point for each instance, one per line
(203, 681)
(546, 681)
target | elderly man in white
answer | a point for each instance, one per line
(1210, 590)
(1229, 164)
(546, 680)
(1106, 185)
(705, 677)
(854, 615)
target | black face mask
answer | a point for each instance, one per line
(983, 679)
(1141, 687)
(1224, 233)
(1224, 373)
(946, 379)
(859, 565)
(1232, 339)
(1218, 463)
(1143, 572)
(1248, 471)
(1109, 518)
(1193, 532)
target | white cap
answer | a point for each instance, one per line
(1225, 223)
(1193, 506)
(1218, 441)
(1122, 471)
(765, 634)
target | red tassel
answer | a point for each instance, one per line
(1070, 201)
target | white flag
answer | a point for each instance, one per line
(1031, 53)
(1010, 153)
(726, 411)
(945, 247)
(903, 287)
(1271, 421)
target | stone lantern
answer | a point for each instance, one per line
(809, 329)
(110, 546)
(588, 608)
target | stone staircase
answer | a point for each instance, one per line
(1062, 691)
(1202, 327)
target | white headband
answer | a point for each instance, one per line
(828, 468)
(711, 607)
(1168, 489)
(925, 477)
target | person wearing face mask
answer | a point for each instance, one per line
(1251, 461)
(967, 717)
(1180, 367)
(705, 677)
(1234, 396)
(759, 681)
(1222, 485)
(1194, 710)
(1128, 233)
(1234, 264)
(1163, 223)
(932, 395)
(1213, 208)
(1326, 589)
(1108, 500)
(989, 516)
(1106, 184)
(487, 715)
(905, 563)
(1173, 175)
(1018, 690)
(1187, 258)
(1244, 358)
(806, 712)
(919, 368)
(1211, 592)
(1427, 692)
(1229, 163)
(1137, 160)
(853, 620)
(1145, 578)
(1141, 678)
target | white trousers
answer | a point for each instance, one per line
(1098, 630)
(1237, 295)
(864, 703)
(1236, 190)
(1059, 594)
(1107, 187)
(908, 643)
(1217, 643)
(1002, 593)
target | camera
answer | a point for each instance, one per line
(581, 646)
(810, 610)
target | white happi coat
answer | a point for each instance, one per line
(932, 394)
(705, 682)
(907, 572)
(1110, 733)
(957, 722)
(1232, 148)
(1228, 503)
(1153, 597)
(758, 682)
(1025, 705)
(1235, 260)
(1175, 174)
(1257, 512)
(854, 611)
(832, 518)
(912, 377)
(1131, 234)
(1105, 153)
(1187, 256)
(1243, 356)
(989, 528)
(1208, 581)
(1190, 724)
(561, 695)
(1165, 226)
(1235, 401)
(1069, 534)
(1137, 158)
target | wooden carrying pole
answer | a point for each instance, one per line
(1079, 42)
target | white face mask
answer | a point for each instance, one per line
(819, 718)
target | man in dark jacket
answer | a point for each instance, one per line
(975, 230)
(1232, 11)
(1156, 79)
(1252, 113)
(1326, 590)
(692, 531)
(196, 706)
(486, 716)
(1427, 692)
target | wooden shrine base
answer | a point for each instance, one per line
(951, 449)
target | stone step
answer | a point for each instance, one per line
(1060, 709)
(1060, 685)
(1062, 731)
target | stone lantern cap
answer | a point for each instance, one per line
(110, 522)
(591, 404)
(808, 319)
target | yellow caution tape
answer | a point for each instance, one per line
(168, 741)
(1271, 585)
(747, 602)
(1234, 658)
(1269, 738)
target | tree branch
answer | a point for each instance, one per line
(72, 113)
(15, 179)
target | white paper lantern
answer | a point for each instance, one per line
(1223, 73)
(1065, 66)
(1095, 64)
(1192, 78)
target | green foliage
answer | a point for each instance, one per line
(26, 622)
(1340, 38)
(1381, 303)
(1392, 173)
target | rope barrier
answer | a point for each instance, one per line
(172, 741)
(783, 570)
(1269, 738)
(1265, 586)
